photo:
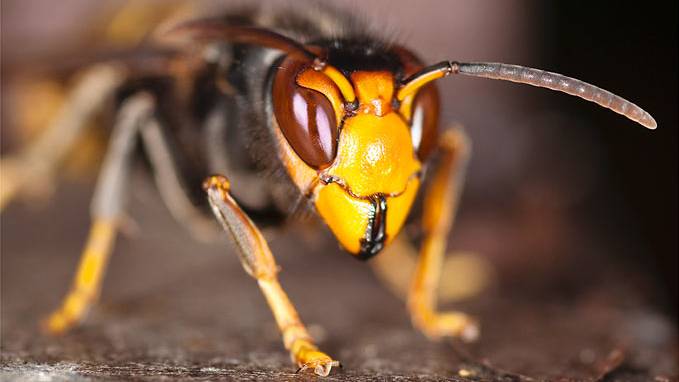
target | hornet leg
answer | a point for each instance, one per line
(395, 268)
(171, 182)
(106, 208)
(259, 263)
(440, 204)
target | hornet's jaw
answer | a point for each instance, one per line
(375, 231)
(361, 224)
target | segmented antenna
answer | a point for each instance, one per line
(558, 82)
(530, 76)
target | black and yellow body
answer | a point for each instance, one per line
(303, 111)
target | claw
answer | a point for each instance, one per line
(309, 358)
(321, 367)
(470, 333)
(449, 324)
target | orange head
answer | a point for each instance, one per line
(351, 145)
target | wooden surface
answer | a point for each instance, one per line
(173, 309)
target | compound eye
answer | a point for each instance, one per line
(306, 117)
(424, 121)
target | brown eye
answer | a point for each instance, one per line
(305, 117)
(424, 121)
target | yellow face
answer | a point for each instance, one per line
(366, 192)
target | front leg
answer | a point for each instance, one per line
(259, 263)
(440, 204)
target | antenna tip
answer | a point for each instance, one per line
(648, 122)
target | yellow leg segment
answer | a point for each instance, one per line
(395, 268)
(87, 283)
(259, 262)
(439, 211)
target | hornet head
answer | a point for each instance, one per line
(342, 120)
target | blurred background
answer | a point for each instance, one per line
(573, 205)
